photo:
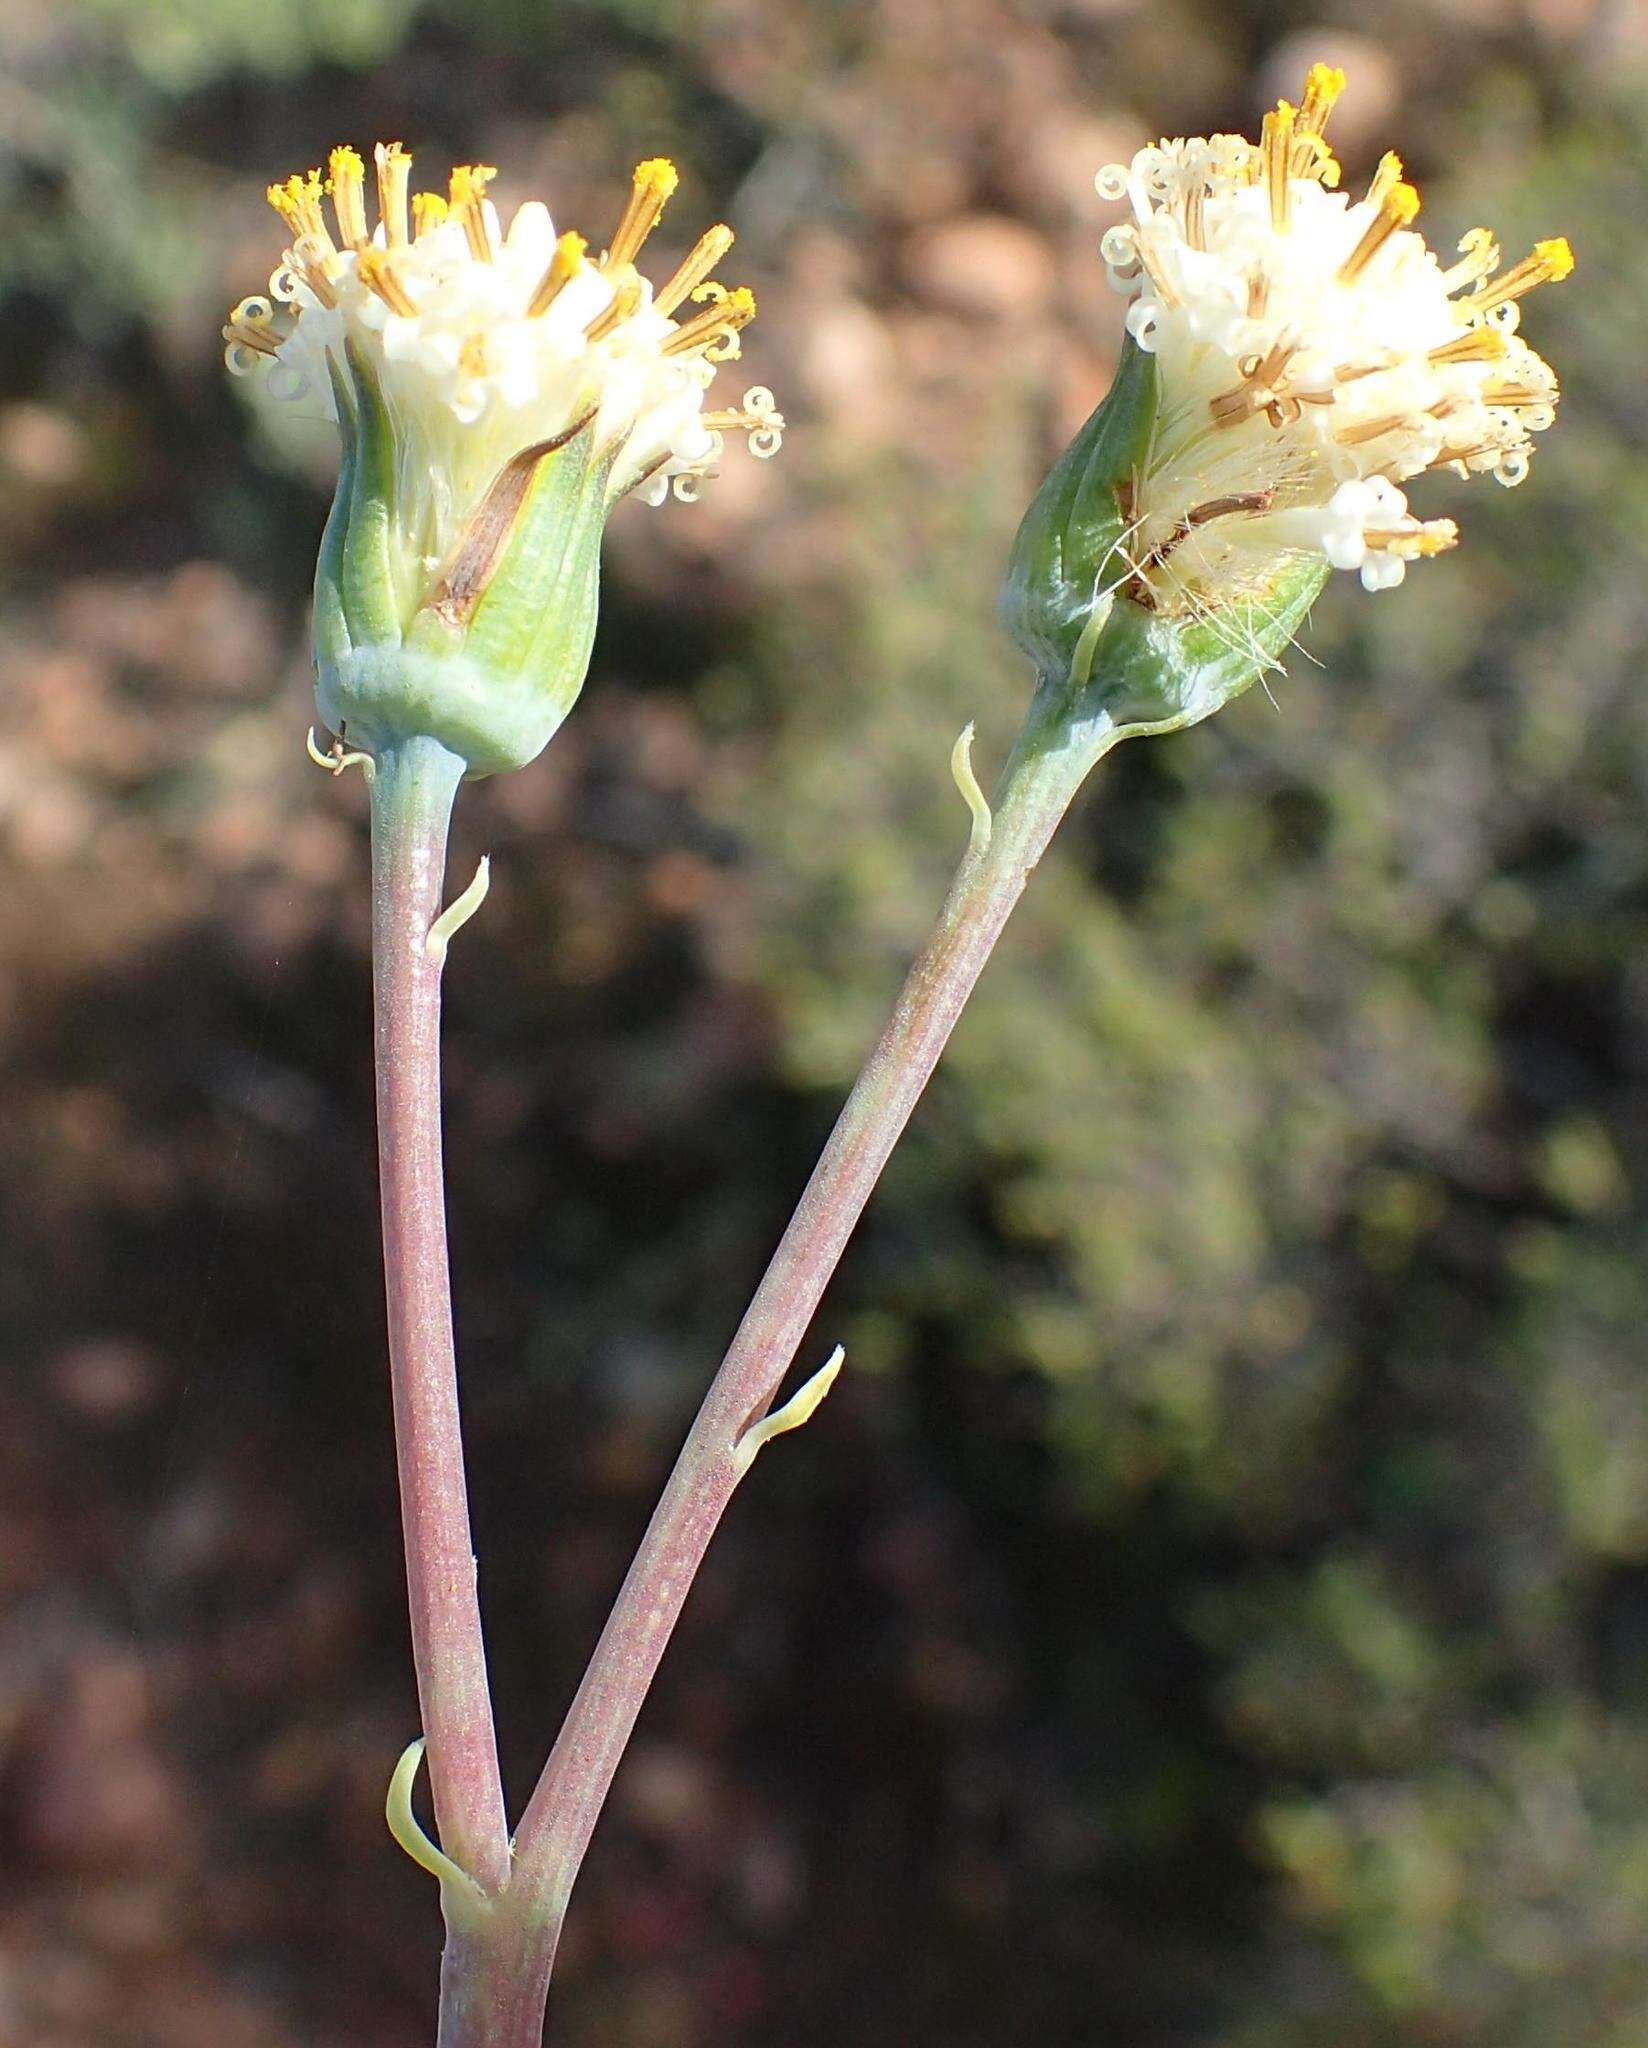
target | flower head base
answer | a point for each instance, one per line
(497, 392)
(1313, 356)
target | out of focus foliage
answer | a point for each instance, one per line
(1214, 1609)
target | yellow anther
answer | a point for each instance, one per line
(1385, 179)
(468, 206)
(394, 168)
(1474, 345)
(624, 303)
(1324, 84)
(650, 190)
(1276, 148)
(298, 204)
(429, 210)
(376, 270)
(710, 249)
(1397, 209)
(1557, 256)
(1414, 543)
(346, 180)
(1550, 263)
(725, 317)
(565, 264)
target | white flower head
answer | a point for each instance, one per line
(486, 342)
(1312, 356)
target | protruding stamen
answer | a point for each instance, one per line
(249, 326)
(347, 183)
(1195, 214)
(1474, 345)
(1150, 256)
(394, 168)
(1276, 147)
(654, 181)
(710, 249)
(1223, 508)
(705, 329)
(1478, 257)
(1324, 86)
(1386, 179)
(298, 204)
(376, 270)
(564, 265)
(1370, 430)
(467, 206)
(758, 417)
(1520, 397)
(314, 260)
(1396, 210)
(429, 211)
(1260, 388)
(1550, 263)
(625, 301)
(1352, 373)
(1412, 543)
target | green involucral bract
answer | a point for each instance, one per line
(486, 656)
(1109, 663)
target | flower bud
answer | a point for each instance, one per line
(1075, 602)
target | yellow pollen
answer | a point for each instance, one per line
(1386, 179)
(564, 265)
(347, 183)
(468, 206)
(1324, 85)
(429, 210)
(654, 181)
(394, 168)
(472, 356)
(1396, 210)
(298, 204)
(376, 270)
(1474, 345)
(1276, 147)
(710, 249)
(1428, 537)
(1550, 263)
(706, 329)
(624, 303)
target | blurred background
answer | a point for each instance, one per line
(1212, 1612)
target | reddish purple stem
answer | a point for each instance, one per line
(412, 792)
(556, 1828)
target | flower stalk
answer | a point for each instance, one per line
(1061, 742)
(413, 786)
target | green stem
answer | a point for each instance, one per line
(1054, 754)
